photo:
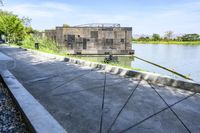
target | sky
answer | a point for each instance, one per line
(144, 16)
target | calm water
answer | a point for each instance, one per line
(181, 58)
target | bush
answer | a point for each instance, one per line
(45, 44)
(12, 27)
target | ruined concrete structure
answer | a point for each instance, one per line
(93, 39)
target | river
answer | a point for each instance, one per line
(184, 59)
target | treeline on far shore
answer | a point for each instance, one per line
(187, 39)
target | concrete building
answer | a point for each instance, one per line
(93, 39)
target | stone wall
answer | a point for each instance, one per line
(93, 40)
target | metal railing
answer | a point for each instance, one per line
(99, 25)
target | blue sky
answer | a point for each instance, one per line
(145, 16)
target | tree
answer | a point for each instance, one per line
(168, 35)
(26, 21)
(66, 25)
(143, 38)
(156, 37)
(11, 26)
(190, 37)
(179, 38)
(27, 24)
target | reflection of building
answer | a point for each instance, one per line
(93, 38)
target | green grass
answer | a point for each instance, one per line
(45, 45)
(169, 42)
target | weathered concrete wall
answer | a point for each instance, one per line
(93, 40)
(41, 34)
(51, 34)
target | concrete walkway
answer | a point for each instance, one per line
(85, 100)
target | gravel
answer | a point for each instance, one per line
(11, 120)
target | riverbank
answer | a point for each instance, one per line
(122, 62)
(63, 53)
(169, 42)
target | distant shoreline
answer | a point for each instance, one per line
(168, 42)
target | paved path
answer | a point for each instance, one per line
(84, 100)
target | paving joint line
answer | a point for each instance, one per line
(103, 101)
(126, 102)
(96, 87)
(140, 122)
(170, 108)
(49, 77)
(64, 83)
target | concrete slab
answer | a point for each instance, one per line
(170, 94)
(6, 62)
(189, 113)
(74, 96)
(165, 122)
(142, 104)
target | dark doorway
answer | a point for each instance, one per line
(94, 34)
(84, 43)
(70, 41)
(109, 43)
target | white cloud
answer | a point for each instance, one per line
(57, 6)
(181, 17)
(92, 17)
(46, 9)
(29, 10)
